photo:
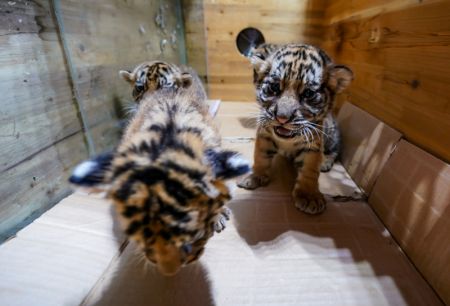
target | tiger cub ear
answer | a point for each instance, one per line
(92, 173)
(260, 65)
(340, 76)
(186, 79)
(127, 76)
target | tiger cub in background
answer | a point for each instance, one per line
(167, 177)
(295, 89)
(151, 76)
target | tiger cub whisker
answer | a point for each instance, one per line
(296, 85)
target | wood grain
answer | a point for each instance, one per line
(40, 128)
(32, 187)
(229, 73)
(37, 107)
(194, 27)
(399, 51)
(105, 36)
(401, 63)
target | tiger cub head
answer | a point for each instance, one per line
(168, 206)
(295, 87)
(154, 75)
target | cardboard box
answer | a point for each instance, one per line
(412, 197)
(367, 144)
(270, 253)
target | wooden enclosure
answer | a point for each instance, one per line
(229, 73)
(63, 101)
(62, 97)
(398, 51)
(193, 17)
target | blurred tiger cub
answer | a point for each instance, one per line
(148, 77)
(167, 177)
(295, 89)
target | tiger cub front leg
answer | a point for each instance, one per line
(306, 194)
(263, 155)
(221, 219)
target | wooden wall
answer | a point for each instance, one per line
(398, 50)
(229, 73)
(194, 28)
(41, 136)
(400, 53)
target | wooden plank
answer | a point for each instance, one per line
(400, 59)
(37, 107)
(105, 36)
(228, 92)
(194, 27)
(342, 10)
(293, 21)
(40, 137)
(33, 186)
(104, 131)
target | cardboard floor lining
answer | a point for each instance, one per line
(269, 254)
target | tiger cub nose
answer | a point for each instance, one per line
(282, 119)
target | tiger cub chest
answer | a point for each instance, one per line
(291, 148)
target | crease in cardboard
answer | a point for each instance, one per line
(394, 148)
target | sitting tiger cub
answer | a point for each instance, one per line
(295, 89)
(167, 177)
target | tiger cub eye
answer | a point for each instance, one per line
(309, 94)
(274, 89)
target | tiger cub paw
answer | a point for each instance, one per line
(312, 203)
(253, 181)
(326, 166)
(221, 219)
(327, 163)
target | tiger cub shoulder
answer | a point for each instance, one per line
(167, 178)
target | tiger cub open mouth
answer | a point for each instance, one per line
(283, 132)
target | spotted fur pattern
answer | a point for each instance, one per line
(295, 89)
(167, 177)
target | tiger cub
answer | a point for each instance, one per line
(295, 89)
(151, 76)
(167, 177)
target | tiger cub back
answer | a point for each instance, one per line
(167, 177)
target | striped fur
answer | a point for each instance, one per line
(150, 76)
(295, 89)
(167, 177)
